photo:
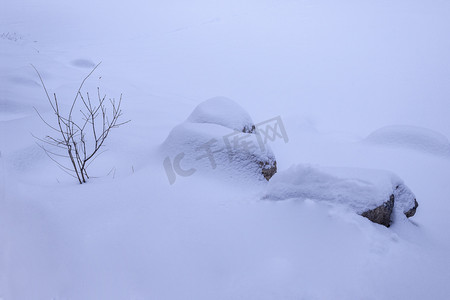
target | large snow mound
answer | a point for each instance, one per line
(417, 138)
(216, 145)
(359, 189)
(222, 111)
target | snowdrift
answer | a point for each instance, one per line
(411, 137)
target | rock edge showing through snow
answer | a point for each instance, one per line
(218, 135)
(373, 194)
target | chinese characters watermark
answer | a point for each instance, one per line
(252, 141)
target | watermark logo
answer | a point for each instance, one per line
(262, 133)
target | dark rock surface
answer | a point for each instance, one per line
(268, 169)
(412, 211)
(381, 214)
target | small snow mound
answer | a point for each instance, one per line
(83, 63)
(24, 81)
(10, 110)
(222, 111)
(417, 138)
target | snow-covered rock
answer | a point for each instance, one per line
(217, 136)
(222, 111)
(371, 193)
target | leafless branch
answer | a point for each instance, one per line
(81, 142)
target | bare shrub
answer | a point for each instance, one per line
(80, 136)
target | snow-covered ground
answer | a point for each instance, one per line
(360, 84)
